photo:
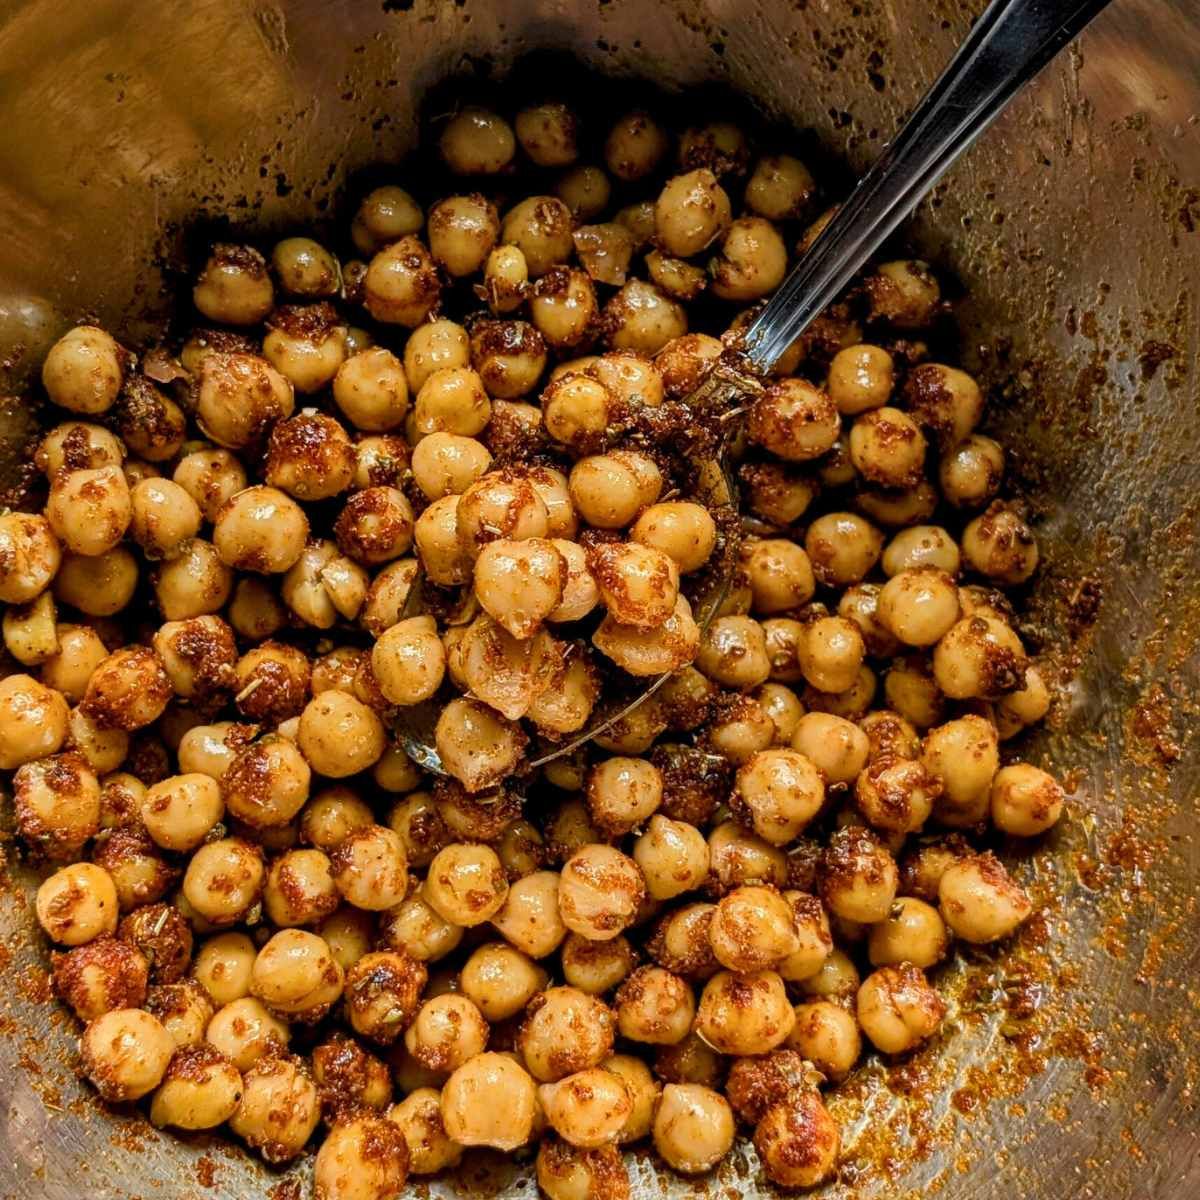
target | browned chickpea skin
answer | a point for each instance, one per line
(641, 318)
(89, 511)
(77, 904)
(1000, 545)
(904, 292)
(280, 1108)
(349, 1079)
(266, 785)
(980, 901)
(564, 1031)
(125, 1054)
(744, 1013)
(888, 448)
(151, 424)
(370, 867)
(970, 472)
(210, 477)
(757, 1083)
(896, 794)
(137, 867)
(733, 652)
(979, 658)
(375, 525)
(198, 656)
(385, 215)
(564, 309)
(858, 878)
(310, 457)
(128, 690)
(104, 975)
(798, 1141)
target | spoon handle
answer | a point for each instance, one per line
(1009, 43)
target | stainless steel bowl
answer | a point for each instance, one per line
(1070, 1071)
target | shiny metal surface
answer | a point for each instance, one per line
(1073, 226)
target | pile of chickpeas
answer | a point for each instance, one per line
(267, 917)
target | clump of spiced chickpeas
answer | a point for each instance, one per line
(262, 908)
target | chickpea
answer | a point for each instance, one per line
(418, 930)
(521, 847)
(476, 746)
(798, 1141)
(402, 286)
(305, 268)
(738, 857)
(77, 446)
(386, 215)
(672, 856)
(267, 783)
(101, 749)
(540, 228)
(547, 133)
(180, 812)
(979, 658)
(842, 547)
(83, 370)
(184, 1008)
(103, 975)
(502, 505)
(733, 652)
(831, 654)
(462, 231)
(195, 583)
(898, 1009)
(946, 401)
(585, 190)
(679, 279)
(779, 574)
(751, 263)
(827, 1035)
(234, 287)
(500, 980)
(80, 651)
(420, 826)
(509, 357)
(260, 529)
(296, 976)
(782, 706)
(904, 292)
(964, 754)
(375, 525)
(919, 605)
(446, 1032)
(912, 692)
(370, 868)
(779, 791)
(98, 585)
(753, 929)
(744, 1013)
(921, 546)
(691, 212)
(121, 797)
(888, 448)
(565, 1030)
(489, 1101)
(245, 1032)
(77, 904)
(563, 307)
(837, 978)
(578, 410)
(858, 877)
(609, 490)
(835, 746)
(224, 880)
(529, 918)
(33, 721)
(520, 583)
(200, 1090)
(210, 477)
(477, 142)
(138, 869)
(596, 967)
(641, 318)
(466, 884)
(300, 889)
(794, 420)
(419, 1116)
(998, 544)
(280, 1108)
(365, 1158)
(970, 472)
(896, 795)
(56, 801)
(125, 1053)
(588, 1108)
(222, 966)
(239, 397)
(163, 516)
(1025, 801)
(505, 279)
(980, 901)
(693, 1128)
(913, 932)
(600, 892)
(339, 735)
(88, 511)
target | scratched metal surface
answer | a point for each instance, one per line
(1072, 227)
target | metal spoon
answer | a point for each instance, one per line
(1010, 42)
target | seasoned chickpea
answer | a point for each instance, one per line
(911, 690)
(30, 633)
(163, 516)
(139, 871)
(794, 420)
(77, 904)
(835, 746)
(402, 285)
(970, 472)
(858, 877)
(477, 142)
(588, 1108)
(375, 525)
(565, 1030)
(103, 975)
(529, 917)
(540, 227)
(121, 796)
(744, 1013)
(904, 292)
(419, 1116)
(964, 755)
(386, 215)
(80, 651)
(370, 868)
(234, 287)
(896, 795)
(466, 884)
(296, 976)
(641, 318)
(596, 967)
(310, 457)
(101, 748)
(300, 889)
(918, 605)
(462, 231)
(29, 556)
(89, 511)
(979, 658)
(898, 1009)
(371, 389)
(779, 791)
(84, 369)
(563, 307)
(622, 793)
(417, 820)
(842, 547)
(733, 652)
(655, 1006)
(446, 1032)
(266, 785)
(691, 212)
(837, 978)
(260, 529)
(672, 856)
(505, 279)
(339, 735)
(489, 1101)
(500, 980)
(577, 410)
(209, 477)
(180, 812)
(128, 690)
(945, 401)
(305, 268)
(738, 857)
(585, 190)
(913, 932)
(224, 880)
(501, 505)
(600, 892)
(980, 901)
(280, 1108)
(33, 721)
(921, 546)
(446, 464)
(779, 574)
(409, 661)
(200, 1090)
(998, 544)
(753, 929)
(77, 446)
(125, 1054)
(782, 706)
(477, 746)
(305, 344)
(99, 585)
(418, 930)
(244, 1031)
(635, 145)
(831, 653)
(364, 1158)
(238, 398)
(888, 448)
(547, 134)
(509, 357)
(223, 965)
(693, 1128)
(609, 490)
(184, 1008)
(798, 1141)
(860, 378)
(520, 583)
(827, 1035)
(1025, 801)
(752, 261)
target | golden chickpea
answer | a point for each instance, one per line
(964, 755)
(945, 401)
(222, 966)
(476, 746)
(563, 307)
(280, 1108)
(310, 457)
(547, 133)
(540, 227)
(693, 1128)
(623, 793)
(896, 795)
(163, 516)
(364, 1158)
(409, 661)
(912, 692)
(744, 1013)
(238, 398)
(300, 889)
(588, 1108)
(672, 856)
(305, 344)
(33, 721)
(680, 943)
(372, 389)
(77, 446)
(634, 147)
(691, 212)
(489, 1101)
(913, 932)
(419, 1116)
(224, 880)
(921, 546)
(753, 929)
(183, 1007)
(980, 901)
(904, 292)
(128, 690)
(600, 892)
(609, 490)
(779, 187)
(416, 819)
(898, 1009)
(103, 975)
(462, 231)
(565, 1030)
(500, 980)
(827, 1035)
(339, 735)
(370, 867)
(375, 525)
(234, 287)
(151, 425)
(29, 556)
(80, 652)
(794, 420)
(778, 792)
(505, 279)
(402, 285)
(500, 505)
(596, 967)
(529, 918)
(979, 658)
(386, 215)
(200, 1090)
(125, 1054)
(244, 1031)
(83, 370)
(998, 544)
(842, 547)
(477, 142)
(466, 884)
(520, 583)
(837, 978)
(641, 318)
(858, 878)
(919, 605)
(89, 511)
(970, 472)
(266, 785)
(1025, 801)
(102, 749)
(831, 654)
(782, 706)
(260, 529)
(522, 848)
(738, 857)
(888, 448)
(305, 268)
(139, 872)
(180, 811)
(418, 930)
(99, 585)
(835, 746)
(446, 464)
(860, 378)
(210, 477)
(77, 904)
(296, 976)
(509, 357)
(890, 736)
(578, 410)
(798, 1141)
(733, 652)
(446, 1032)
(751, 262)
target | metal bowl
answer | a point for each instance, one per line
(1067, 1070)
